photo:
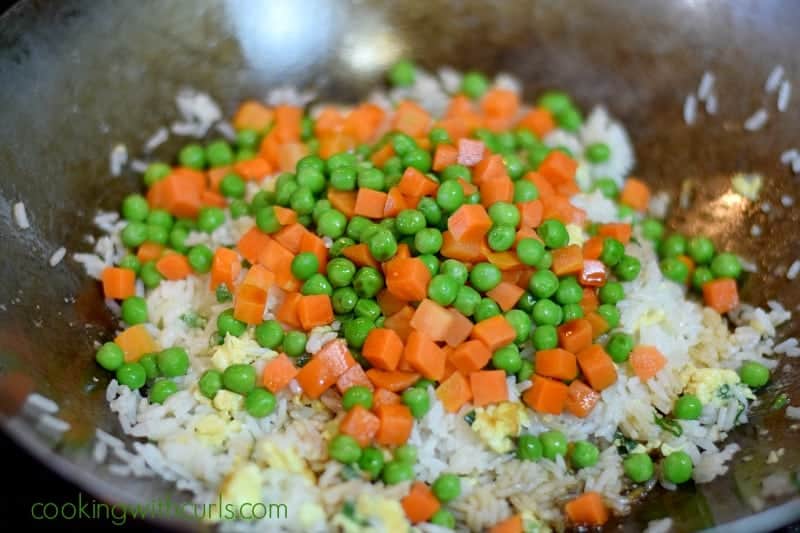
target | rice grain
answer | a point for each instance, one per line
(774, 79)
(706, 86)
(690, 109)
(784, 94)
(21, 216)
(757, 120)
(57, 256)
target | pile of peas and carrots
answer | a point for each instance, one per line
(442, 247)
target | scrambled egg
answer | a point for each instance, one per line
(748, 185)
(213, 429)
(372, 514)
(496, 424)
(242, 485)
(237, 350)
(228, 402)
(532, 524)
(649, 318)
(311, 516)
(706, 383)
(287, 459)
(576, 234)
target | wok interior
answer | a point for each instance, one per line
(79, 78)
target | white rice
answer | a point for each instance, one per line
(794, 270)
(712, 105)
(793, 412)
(41, 404)
(690, 109)
(784, 94)
(706, 86)
(796, 165)
(226, 130)
(139, 166)
(663, 525)
(757, 120)
(57, 256)
(789, 348)
(755, 230)
(21, 216)
(117, 159)
(789, 155)
(787, 201)
(198, 113)
(156, 139)
(774, 79)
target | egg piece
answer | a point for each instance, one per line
(748, 185)
(705, 383)
(282, 458)
(211, 429)
(496, 424)
(228, 402)
(576, 234)
(242, 485)
(311, 516)
(238, 350)
(388, 514)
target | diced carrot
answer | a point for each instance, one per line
(456, 127)
(488, 386)
(279, 260)
(355, 375)
(173, 266)
(285, 215)
(470, 152)
(149, 251)
(252, 115)
(647, 361)
(470, 356)
(546, 395)
(324, 368)
(335, 143)
(459, 330)
(621, 231)
(500, 103)
(213, 199)
(249, 304)
(494, 332)
(424, 356)
(359, 254)
(278, 372)
(362, 122)
(589, 302)
(470, 222)
(454, 392)
(467, 187)
(360, 424)
(403, 251)
(384, 397)
(414, 183)
(400, 322)
(382, 155)
(383, 348)
(636, 194)
(558, 167)
(466, 250)
(407, 278)
(395, 202)
(311, 242)
(135, 342)
(314, 310)
(556, 363)
(389, 303)
(344, 201)
(259, 276)
(460, 104)
(420, 504)
(496, 190)
(597, 367)
(411, 119)
(215, 176)
(287, 121)
(567, 189)
(593, 247)
(525, 276)
(287, 310)
(538, 120)
(560, 208)
(225, 268)
(370, 203)
(599, 324)
(181, 194)
(721, 294)
(509, 525)
(567, 260)
(396, 424)
(689, 262)
(445, 155)
(575, 335)
(329, 121)
(256, 168)
(252, 244)
(593, 274)
(506, 295)
(503, 260)
(432, 319)
(392, 380)
(581, 399)
(530, 213)
(290, 237)
(489, 168)
(546, 191)
(587, 509)
(118, 283)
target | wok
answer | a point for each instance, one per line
(80, 77)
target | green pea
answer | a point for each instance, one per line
(406, 453)
(371, 461)
(192, 156)
(161, 390)
(239, 378)
(321, 207)
(357, 395)
(431, 263)
(210, 218)
(177, 239)
(261, 200)
(223, 294)
(545, 337)
(456, 270)
(132, 375)
(754, 374)
(219, 154)
(232, 186)
(131, 262)
(530, 251)
(260, 402)
(612, 252)
(444, 518)
(584, 454)
(227, 324)
(304, 265)
(673, 246)
(607, 187)
(312, 179)
(269, 334)
(597, 153)
(344, 449)
(200, 258)
(507, 359)
(110, 356)
(525, 371)
(150, 275)
(134, 234)
(505, 214)
(344, 300)
(302, 200)
(357, 226)
(173, 362)
(677, 467)
(569, 119)
(157, 234)
(367, 282)
(382, 245)
(450, 196)
(572, 312)
(619, 346)
(467, 300)
(569, 291)
(474, 84)
(688, 407)
(674, 269)
(428, 241)
(628, 268)
(529, 448)
(543, 283)
(135, 208)
(485, 276)
(342, 159)
(521, 322)
(454, 172)
(610, 314)
(553, 233)
(409, 222)
(638, 467)
(611, 293)
(526, 139)
(210, 383)
(395, 472)
(402, 73)
(447, 487)
(430, 210)
(501, 238)
(525, 191)
(700, 249)
(486, 308)
(652, 230)
(245, 154)
(443, 289)
(514, 164)
(554, 101)
(294, 343)
(332, 224)
(356, 331)
(417, 401)
(344, 178)
(134, 310)
(247, 138)
(419, 159)
(150, 363)
(701, 276)
(371, 178)
(537, 154)
(340, 271)
(156, 172)
(726, 265)
(439, 136)
(340, 244)
(547, 312)
(316, 284)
